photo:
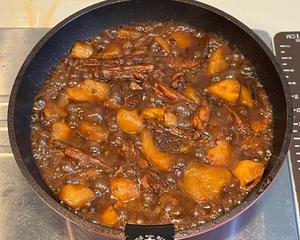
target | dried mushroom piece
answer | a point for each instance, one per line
(76, 196)
(221, 154)
(109, 216)
(82, 50)
(163, 43)
(160, 160)
(204, 182)
(129, 121)
(227, 89)
(217, 62)
(201, 117)
(249, 173)
(124, 189)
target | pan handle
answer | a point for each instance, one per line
(149, 232)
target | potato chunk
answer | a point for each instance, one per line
(124, 189)
(128, 34)
(221, 154)
(163, 43)
(76, 196)
(204, 182)
(245, 97)
(53, 111)
(260, 124)
(129, 121)
(113, 50)
(89, 90)
(160, 160)
(191, 94)
(217, 62)
(109, 216)
(93, 132)
(183, 40)
(248, 172)
(60, 132)
(82, 50)
(170, 120)
(153, 112)
(227, 89)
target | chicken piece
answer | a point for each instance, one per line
(183, 40)
(249, 173)
(153, 112)
(201, 116)
(163, 43)
(191, 94)
(113, 50)
(60, 132)
(89, 90)
(82, 50)
(124, 189)
(76, 196)
(170, 120)
(129, 121)
(204, 182)
(53, 111)
(245, 97)
(128, 34)
(227, 89)
(217, 62)
(221, 154)
(109, 217)
(93, 132)
(162, 161)
(135, 86)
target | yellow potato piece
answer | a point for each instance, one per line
(128, 34)
(52, 111)
(60, 132)
(183, 39)
(129, 121)
(163, 43)
(217, 62)
(89, 90)
(227, 89)
(153, 112)
(191, 94)
(109, 216)
(221, 154)
(124, 189)
(245, 97)
(204, 182)
(248, 172)
(259, 125)
(93, 132)
(113, 50)
(170, 119)
(82, 50)
(160, 160)
(76, 196)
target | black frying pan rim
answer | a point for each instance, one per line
(110, 232)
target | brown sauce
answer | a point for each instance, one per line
(152, 123)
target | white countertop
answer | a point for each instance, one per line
(270, 15)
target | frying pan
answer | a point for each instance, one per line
(89, 21)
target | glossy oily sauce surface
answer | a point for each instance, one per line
(152, 123)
